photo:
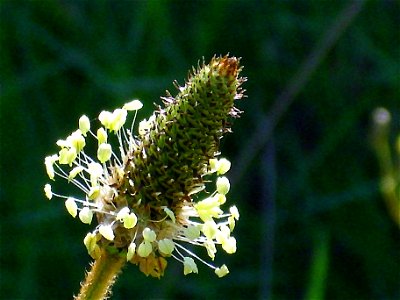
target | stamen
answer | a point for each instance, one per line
(194, 255)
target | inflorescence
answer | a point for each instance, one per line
(143, 191)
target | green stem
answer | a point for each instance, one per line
(319, 266)
(101, 277)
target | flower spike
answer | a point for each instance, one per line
(147, 191)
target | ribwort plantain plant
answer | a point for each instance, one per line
(145, 192)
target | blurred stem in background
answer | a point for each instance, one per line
(319, 266)
(262, 140)
(389, 167)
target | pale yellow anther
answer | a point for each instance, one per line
(212, 213)
(86, 215)
(169, 213)
(94, 192)
(75, 171)
(133, 105)
(118, 119)
(67, 156)
(208, 208)
(189, 266)
(213, 164)
(221, 272)
(101, 135)
(223, 185)
(225, 229)
(166, 246)
(47, 191)
(223, 166)
(149, 235)
(131, 251)
(192, 232)
(90, 241)
(207, 203)
(234, 212)
(123, 213)
(231, 222)
(130, 220)
(105, 118)
(209, 229)
(84, 124)
(210, 247)
(144, 249)
(95, 171)
(221, 199)
(229, 245)
(63, 156)
(107, 232)
(104, 152)
(71, 206)
(63, 144)
(222, 234)
(49, 164)
(76, 140)
(220, 237)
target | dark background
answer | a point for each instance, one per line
(313, 221)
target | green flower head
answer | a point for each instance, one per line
(148, 190)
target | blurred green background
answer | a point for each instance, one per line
(314, 224)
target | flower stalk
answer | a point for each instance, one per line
(146, 197)
(101, 277)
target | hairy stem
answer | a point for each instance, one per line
(101, 277)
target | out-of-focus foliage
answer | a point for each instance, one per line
(323, 230)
